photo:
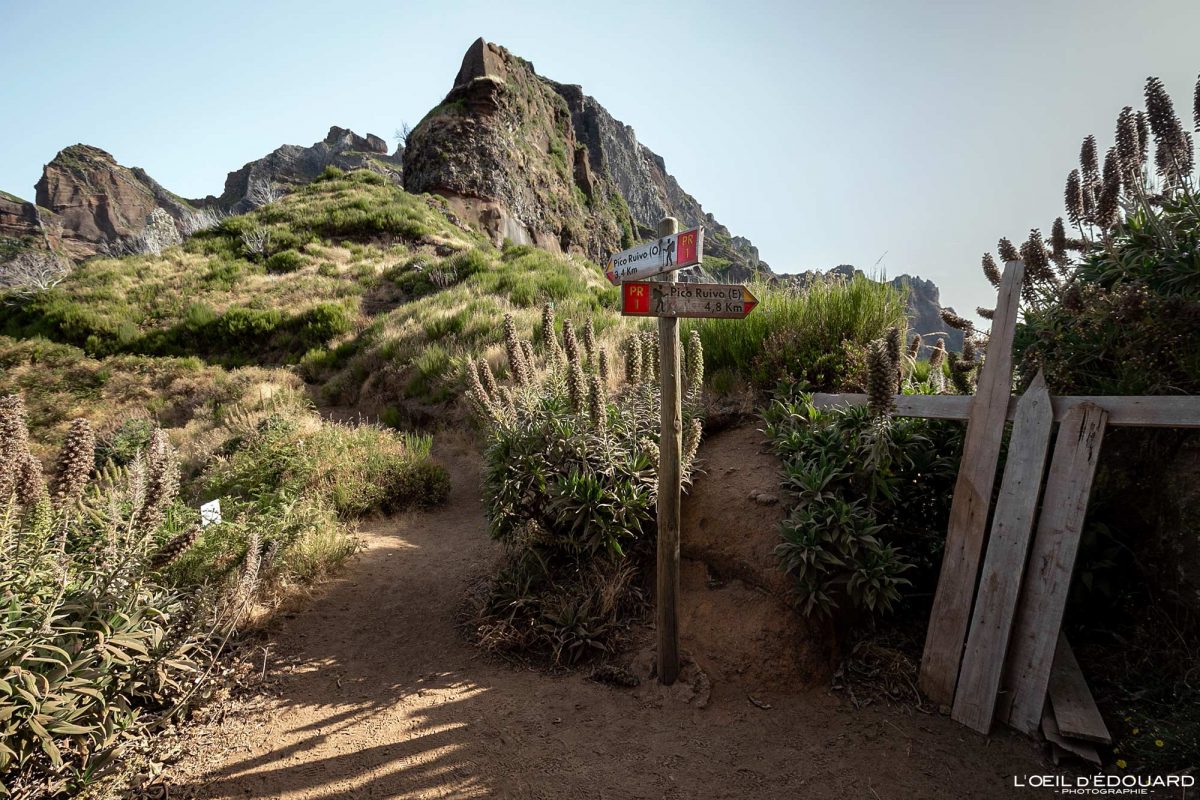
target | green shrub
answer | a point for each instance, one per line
(123, 445)
(871, 499)
(285, 261)
(569, 485)
(813, 337)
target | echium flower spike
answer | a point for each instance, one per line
(881, 379)
(481, 400)
(914, 347)
(162, 483)
(1173, 148)
(1058, 244)
(633, 360)
(1073, 197)
(549, 340)
(576, 387)
(597, 403)
(990, 270)
(1196, 105)
(487, 379)
(74, 464)
(650, 354)
(516, 356)
(1089, 162)
(604, 366)
(31, 484)
(570, 343)
(589, 344)
(895, 349)
(1129, 149)
(1143, 127)
(530, 359)
(1037, 260)
(1108, 209)
(691, 440)
(694, 365)
(173, 550)
(1008, 252)
(937, 379)
(14, 444)
(955, 321)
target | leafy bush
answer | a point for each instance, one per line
(285, 261)
(95, 646)
(570, 486)
(813, 337)
(871, 501)
(124, 444)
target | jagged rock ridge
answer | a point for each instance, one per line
(534, 161)
(291, 165)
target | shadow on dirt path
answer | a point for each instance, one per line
(376, 694)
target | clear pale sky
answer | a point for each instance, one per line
(827, 133)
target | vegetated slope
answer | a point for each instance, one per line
(380, 295)
(533, 161)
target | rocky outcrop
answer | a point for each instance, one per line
(292, 165)
(97, 203)
(924, 303)
(20, 223)
(534, 161)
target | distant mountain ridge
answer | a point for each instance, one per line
(516, 155)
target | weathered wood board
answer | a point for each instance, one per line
(1084, 750)
(1004, 563)
(1051, 562)
(1075, 710)
(972, 498)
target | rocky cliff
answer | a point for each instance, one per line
(96, 202)
(292, 165)
(534, 161)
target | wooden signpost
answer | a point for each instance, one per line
(660, 299)
(672, 251)
(668, 300)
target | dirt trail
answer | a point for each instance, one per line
(377, 695)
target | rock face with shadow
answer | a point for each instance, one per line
(94, 202)
(538, 162)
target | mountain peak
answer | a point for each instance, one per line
(524, 158)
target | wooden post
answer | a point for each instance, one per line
(972, 496)
(670, 446)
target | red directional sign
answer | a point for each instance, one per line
(669, 253)
(717, 300)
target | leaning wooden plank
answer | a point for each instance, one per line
(972, 497)
(1051, 561)
(1004, 563)
(1075, 710)
(1179, 411)
(1084, 750)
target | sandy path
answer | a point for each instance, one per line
(377, 695)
